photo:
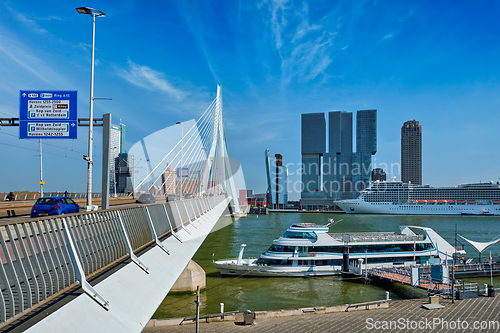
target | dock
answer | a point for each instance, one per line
(478, 314)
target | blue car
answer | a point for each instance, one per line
(54, 206)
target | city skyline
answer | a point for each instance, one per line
(161, 63)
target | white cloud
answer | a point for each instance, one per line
(278, 20)
(150, 79)
(304, 48)
(30, 23)
(388, 36)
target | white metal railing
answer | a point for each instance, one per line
(42, 258)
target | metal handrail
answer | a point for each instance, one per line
(42, 258)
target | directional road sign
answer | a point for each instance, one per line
(48, 114)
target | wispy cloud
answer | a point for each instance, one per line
(304, 48)
(388, 36)
(30, 23)
(150, 79)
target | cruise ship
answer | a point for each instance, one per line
(391, 197)
(309, 250)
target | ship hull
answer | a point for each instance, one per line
(358, 206)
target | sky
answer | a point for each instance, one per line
(160, 62)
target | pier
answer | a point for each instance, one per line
(481, 314)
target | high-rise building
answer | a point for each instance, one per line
(277, 176)
(341, 173)
(379, 174)
(366, 146)
(116, 146)
(411, 152)
(313, 148)
(337, 164)
(168, 180)
(122, 172)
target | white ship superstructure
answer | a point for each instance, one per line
(309, 250)
(403, 198)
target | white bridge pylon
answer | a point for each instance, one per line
(187, 159)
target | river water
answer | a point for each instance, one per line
(266, 293)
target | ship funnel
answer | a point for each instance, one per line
(240, 255)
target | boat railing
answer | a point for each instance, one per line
(384, 237)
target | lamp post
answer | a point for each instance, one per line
(182, 147)
(94, 13)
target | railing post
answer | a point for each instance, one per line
(187, 213)
(80, 275)
(180, 217)
(153, 231)
(170, 225)
(133, 257)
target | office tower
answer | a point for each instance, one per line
(122, 171)
(313, 140)
(116, 146)
(379, 174)
(337, 163)
(169, 181)
(411, 152)
(277, 176)
(344, 173)
(366, 146)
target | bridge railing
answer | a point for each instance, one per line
(42, 258)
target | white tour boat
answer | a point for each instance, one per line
(309, 250)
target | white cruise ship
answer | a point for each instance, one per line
(309, 250)
(402, 198)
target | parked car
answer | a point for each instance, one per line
(54, 206)
(188, 196)
(146, 198)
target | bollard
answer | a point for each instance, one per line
(222, 310)
(387, 295)
(485, 288)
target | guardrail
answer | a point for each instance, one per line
(34, 196)
(42, 258)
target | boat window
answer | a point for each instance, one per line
(330, 249)
(300, 235)
(281, 248)
(274, 262)
(380, 248)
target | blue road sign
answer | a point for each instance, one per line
(48, 114)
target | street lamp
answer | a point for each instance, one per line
(94, 13)
(182, 147)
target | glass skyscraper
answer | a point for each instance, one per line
(343, 173)
(313, 148)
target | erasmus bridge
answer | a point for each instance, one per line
(109, 270)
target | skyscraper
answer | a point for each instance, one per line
(277, 177)
(411, 152)
(313, 148)
(116, 147)
(344, 173)
(366, 146)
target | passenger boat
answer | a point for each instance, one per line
(310, 250)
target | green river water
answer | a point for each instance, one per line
(265, 293)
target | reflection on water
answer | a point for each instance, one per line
(268, 293)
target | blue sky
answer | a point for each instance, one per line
(434, 61)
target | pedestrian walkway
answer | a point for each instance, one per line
(396, 276)
(478, 314)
